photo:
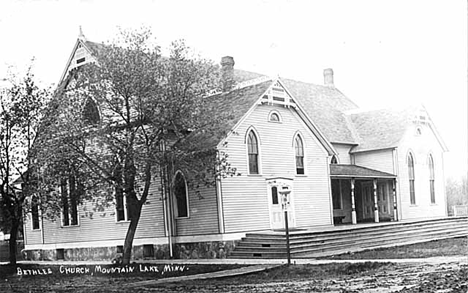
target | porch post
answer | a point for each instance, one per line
(376, 205)
(353, 205)
(395, 206)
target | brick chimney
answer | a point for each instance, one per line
(328, 77)
(227, 73)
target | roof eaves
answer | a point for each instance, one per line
(363, 150)
(251, 109)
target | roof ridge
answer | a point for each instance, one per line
(252, 82)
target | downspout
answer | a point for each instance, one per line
(219, 201)
(398, 191)
(330, 197)
(167, 215)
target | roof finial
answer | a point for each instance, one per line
(81, 36)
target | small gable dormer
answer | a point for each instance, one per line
(81, 54)
(278, 95)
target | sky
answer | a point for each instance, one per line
(383, 53)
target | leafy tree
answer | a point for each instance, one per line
(132, 118)
(457, 192)
(21, 109)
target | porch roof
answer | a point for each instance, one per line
(355, 171)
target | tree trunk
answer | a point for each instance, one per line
(128, 244)
(12, 243)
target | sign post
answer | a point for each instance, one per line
(285, 206)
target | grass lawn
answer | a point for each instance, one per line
(445, 247)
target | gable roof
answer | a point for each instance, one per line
(384, 128)
(329, 113)
(325, 106)
(380, 129)
(239, 102)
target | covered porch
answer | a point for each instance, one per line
(362, 195)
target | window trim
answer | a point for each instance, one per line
(176, 207)
(97, 108)
(125, 210)
(335, 158)
(39, 215)
(275, 112)
(62, 215)
(246, 142)
(411, 178)
(299, 136)
(431, 168)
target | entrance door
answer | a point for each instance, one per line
(276, 211)
(368, 201)
(276, 201)
(384, 201)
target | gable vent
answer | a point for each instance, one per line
(276, 94)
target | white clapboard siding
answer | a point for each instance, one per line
(203, 214)
(245, 200)
(381, 160)
(30, 235)
(343, 153)
(421, 146)
(103, 226)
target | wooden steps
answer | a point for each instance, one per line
(344, 239)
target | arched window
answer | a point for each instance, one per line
(299, 151)
(411, 178)
(431, 179)
(252, 150)
(334, 160)
(91, 112)
(181, 195)
(274, 117)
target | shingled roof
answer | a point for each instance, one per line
(337, 117)
(381, 129)
(325, 106)
(354, 171)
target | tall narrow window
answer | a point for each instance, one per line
(180, 193)
(252, 150)
(411, 179)
(431, 179)
(35, 213)
(69, 190)
(121, 206)
(299, 151)
(274, 195)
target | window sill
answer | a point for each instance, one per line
(36, 230)
(301, 175)
(122, 221)
(254, 175)
(182, 218)
(70, 226)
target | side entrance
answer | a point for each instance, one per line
(281, 202)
